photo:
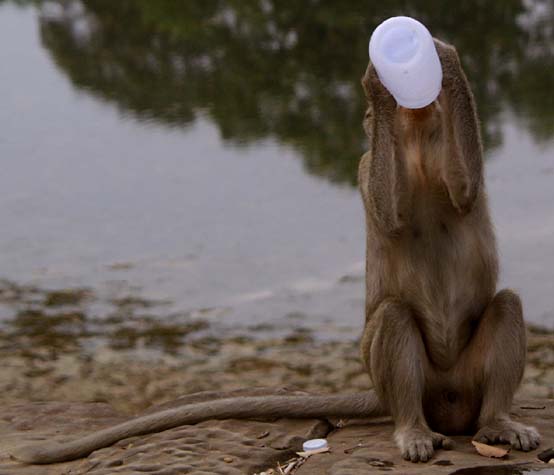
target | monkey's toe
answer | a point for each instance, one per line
(519, 436)
(419, 451)
(525, 438)
(416, 445)
(442, 442)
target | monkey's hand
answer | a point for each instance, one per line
(378, 176)
(463, 173)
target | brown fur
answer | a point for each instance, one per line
(444, 352)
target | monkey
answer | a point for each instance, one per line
(444, 350)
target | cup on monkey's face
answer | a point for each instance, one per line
(405, 57)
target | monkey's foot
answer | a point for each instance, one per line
(418, 444)
(503, 431)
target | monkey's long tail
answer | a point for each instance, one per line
(363, 404)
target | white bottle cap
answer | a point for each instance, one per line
(406, 60)
(314, 444)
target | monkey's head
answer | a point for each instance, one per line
(380, 104)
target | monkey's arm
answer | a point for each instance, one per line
(463, 168)
(378, 175)
(363, 404)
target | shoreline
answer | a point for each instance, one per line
(132, 380)
(55, 347)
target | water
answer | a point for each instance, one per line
(204, 153)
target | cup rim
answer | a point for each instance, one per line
(376, 39)
(418, 103)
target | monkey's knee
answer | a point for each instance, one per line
(393, 345)
(501, 367)
(390, 322)
(499, 347)
(507, 306)
(395, 322)
(504, 322)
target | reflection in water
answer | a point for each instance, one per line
(62, 321)
(290, 70)
(240, 235)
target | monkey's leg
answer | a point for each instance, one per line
(496, 357)
(394, 353)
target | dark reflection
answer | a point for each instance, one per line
(48, 321)
(290, 70)
(59, 332)
(45, 323)
(129, 328)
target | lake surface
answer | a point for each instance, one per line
(204, 153)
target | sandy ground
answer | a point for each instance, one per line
(53, 350)
(132, 380)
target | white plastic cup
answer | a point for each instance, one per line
(406, 60)
(314, 444)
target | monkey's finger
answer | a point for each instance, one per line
(529, 440)
(426, 450)
(439, 440)
(422, 451)
(524, 442)
(409, 454)
(535, 439)
(376, 90)
(418, 452)
(513, 438)
(412, 452)
(429, 450)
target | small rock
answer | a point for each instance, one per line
(263, 435)
(546, 455)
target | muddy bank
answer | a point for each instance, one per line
(54, 347)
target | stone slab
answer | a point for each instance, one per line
(243, 447)
(229, 447)
(366, 447)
